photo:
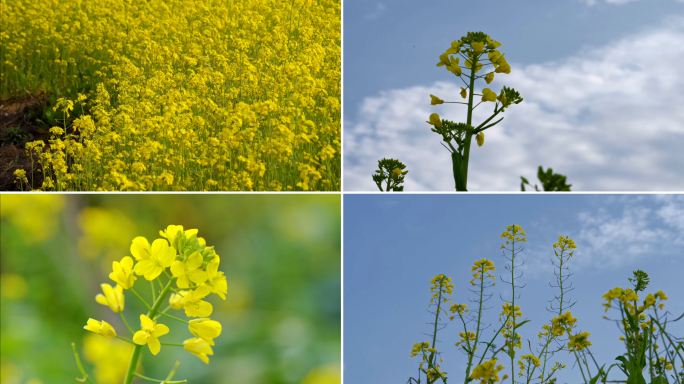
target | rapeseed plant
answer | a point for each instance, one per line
(193, 266)
(471, 48)
(640, 334)
(182, 94)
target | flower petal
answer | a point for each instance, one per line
(154, 345)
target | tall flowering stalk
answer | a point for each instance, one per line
(194, 271)
(642, 332)
(471, 48)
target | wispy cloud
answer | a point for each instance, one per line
(634, 229)
(609, 118)
(591, 3)
(376, 13)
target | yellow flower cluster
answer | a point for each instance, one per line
(563, 323)
(467, 336)
(487, 372)
(627, 297)
(457, 308)
(480, 267)
(531, 360)
(564, 244)
(420, 348)
(513, 233)
(181, 94)
(579, 341)
(441, 285)
(194, 267)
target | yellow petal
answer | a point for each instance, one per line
(154, 345)
(141, 337)
(146, 322)
(140, 248)
(160, 330)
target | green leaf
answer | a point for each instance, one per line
(660, 380)
(521, 324)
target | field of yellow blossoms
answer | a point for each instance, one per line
(179, 94)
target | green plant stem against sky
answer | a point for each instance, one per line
(469, 132)
(153, 311)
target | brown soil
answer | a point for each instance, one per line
(18, 115)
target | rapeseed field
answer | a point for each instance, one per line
(178, 95)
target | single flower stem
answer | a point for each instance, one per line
(175, 318)
(80, 366)
(159, 381)
(126, 322)
(173, 371)
(469, 133)
(173, 345)
(154, 298)
(160, 283)
(167, 275)
(141, 299)
(126, 340)
(136, 351)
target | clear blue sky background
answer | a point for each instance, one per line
(593, 73)
(394, 245)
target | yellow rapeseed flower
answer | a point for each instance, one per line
(434, 100)
(101, 327)
(113, 297)
(199, 348)
(123, 273)
(151, 260)
(435, 120)
(189, 270)
(150, 333)
(205, 329)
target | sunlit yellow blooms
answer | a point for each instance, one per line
(455, 47)
(176, 92)
(420, 348)
(151, 260)
(113, 297)
(216, 281)
(435, 120)
(468, 336)
(477, 47)
(460, 308)
(492, 43)
(494, 56)
(199, 348)
(563, 323)
(661, 295)
(514, 233)
(172, 232)
(176, 298)
(396, 172)
(489, 78)
(435, 100)
(444, 60)
(205, 329)
(103, 328)
(189, 270)
(480, 138)
(149, 334)
(487, 372)
(531, 359)
(464, 92)
(503, 68)
(579, 341)
(488, 95)
(193, 304)
(123, 273)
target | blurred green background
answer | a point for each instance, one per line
(281, 256)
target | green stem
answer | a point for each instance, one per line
(158, 381)
(173, 345)
(136, 351)
(141, 299)
(173, 371)
(126, 322)
(126, 340)
(175, 318)
(154, 298)
(80, 366)
(469, 133)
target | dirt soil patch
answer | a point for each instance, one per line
(18, 126)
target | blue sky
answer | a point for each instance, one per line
(600, 79)
(394, 245)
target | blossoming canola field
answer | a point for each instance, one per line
(180, 94)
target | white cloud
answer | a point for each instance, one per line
(591, 3)
(376, 13)
(644, 228)
(609, 118)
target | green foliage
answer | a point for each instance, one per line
(386, 173)
(551, 182)
(16, 135)
(640, 280)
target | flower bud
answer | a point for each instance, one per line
(489, 78)
(435, 120)
(435, 100)
(480, 138)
